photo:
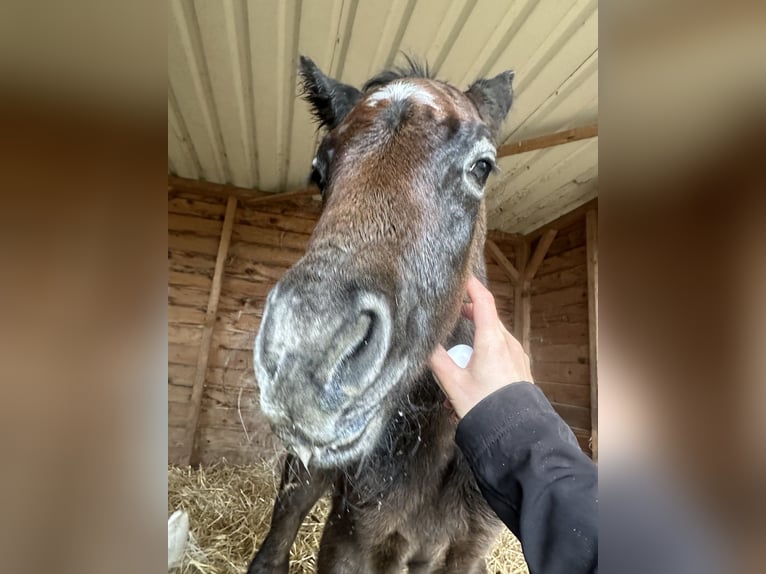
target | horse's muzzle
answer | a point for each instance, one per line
(318, 359)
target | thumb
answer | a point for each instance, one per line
(448, 374)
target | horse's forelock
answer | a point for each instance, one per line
(413, 69)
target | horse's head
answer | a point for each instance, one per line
(402, 171)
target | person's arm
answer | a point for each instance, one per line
(535, 477)
(524, 457)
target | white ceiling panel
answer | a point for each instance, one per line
(234, 115)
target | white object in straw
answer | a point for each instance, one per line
(178, 533)
(461, 354)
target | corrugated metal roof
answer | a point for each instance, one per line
(234, 116)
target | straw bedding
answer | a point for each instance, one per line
(229, 512)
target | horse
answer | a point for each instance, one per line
(341, 354)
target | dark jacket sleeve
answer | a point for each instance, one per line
(535, 477)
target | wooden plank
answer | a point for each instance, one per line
(182, 353)
(247, 304)
(550, 140)
(184, 262)
(181, 375)
(262, 219)
(564, 260)
(207, 334)
(194, 224)
(198, 280)
(565, 220)
(560, 280)
(583, 438)
(565, 393)
(203, 187)
(250, 252)
(591, 235)
(502, 261)
(243, 396)
(272, 237)
(196, 207)
(304, 208)
(559, 334)
(197, 196)
(240, 340)
(236, 359)
(255, 271)
(568, 237)
(248, 322)
(230, 378)
(565, 353)
(496, 274)
(562, 297)
(537, 257)
(521, 299)
(576, 313)
(184, 334)
(228, 417)
(178, 412)
(573, 373)
(191, 243)
(187, 297)
(215, 438)
(253, 196)
(186, 315)
(573, 415)
(497, 236)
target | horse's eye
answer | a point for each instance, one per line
(317, 175)
(481, 170)
(316, 178)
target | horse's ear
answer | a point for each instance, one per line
(493, 99)
(330, 100)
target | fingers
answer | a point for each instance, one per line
(448, 374)
(517, 351)
(483, 307)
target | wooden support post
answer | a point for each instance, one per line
(521, 299)
(521, 276)
(503, 262)
(540, 251)
(591, 242)
(198, 385)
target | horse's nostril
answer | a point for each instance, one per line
(364, 347)
(367, 318)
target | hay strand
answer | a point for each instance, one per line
(229, 510)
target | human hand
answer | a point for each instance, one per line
(498, 358)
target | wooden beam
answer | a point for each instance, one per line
(550, 140)
(522, 299)
(195, 402)
(285, 196)
(502, 261)
(251, 196)
(564, 221)
(497, 235)
(537, 258)
(591, 242)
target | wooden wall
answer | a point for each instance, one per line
(559, 334)
(266, 240)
